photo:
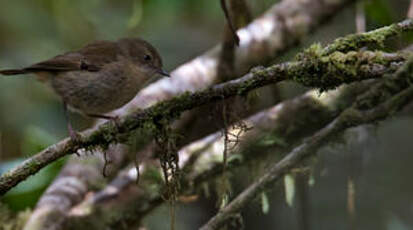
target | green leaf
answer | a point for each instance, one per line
(311, 180)
(224, 201)
(271, 140)
(265, 204)
(289, 184)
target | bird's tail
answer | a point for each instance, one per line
(13, 71)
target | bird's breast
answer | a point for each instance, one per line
(98, 92)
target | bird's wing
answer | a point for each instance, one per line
(64, 62)
(92, 57)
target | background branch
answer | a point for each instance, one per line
(198, 160)
(80, 197)
(107, 133)
(238, 15)
(200, 72)
(365, 110)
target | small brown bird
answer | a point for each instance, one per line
(100, 77)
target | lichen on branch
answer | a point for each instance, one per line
(376, 37)
(329, 71)
(395, 97)
(312, 69)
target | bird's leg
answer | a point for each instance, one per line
(115, 119)
(72, 133)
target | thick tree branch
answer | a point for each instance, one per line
(271, 123)
(197, 159)
(73, 182)
(376, 37)
(267, 124)
(306, 71)
(395, 93)
(290, 21)
(351, 69)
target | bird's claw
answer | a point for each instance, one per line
(75, 137)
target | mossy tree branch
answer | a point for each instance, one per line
(198, 159)
(287, 30)
(376, 104)
(312, 69)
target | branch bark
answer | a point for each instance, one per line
(301, 17)
(243, 87)
(395, 93)
(312, 60)
(332, 75)
(238, 15)
(270, 123)
(197, 159)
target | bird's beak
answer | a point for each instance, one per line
(163, 73)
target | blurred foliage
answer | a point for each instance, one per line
(379, 11)
(35, 140)
(26, 193)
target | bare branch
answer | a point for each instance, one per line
(230, 22)
(238, 15)
(69, 188)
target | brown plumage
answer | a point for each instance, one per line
(100, 77)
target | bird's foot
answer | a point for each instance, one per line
(116, 121)
(75, 137)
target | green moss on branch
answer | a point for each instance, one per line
(324, 69)
(327, 72)
(375, 37)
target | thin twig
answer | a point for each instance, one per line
(238, 15)
(230, 22)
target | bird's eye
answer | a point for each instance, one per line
(147, 57)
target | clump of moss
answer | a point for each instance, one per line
(315, 69)
(357, 41)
